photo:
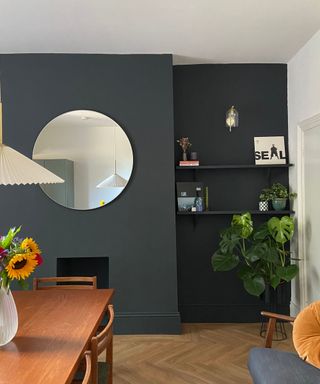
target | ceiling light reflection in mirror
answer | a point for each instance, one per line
(91, 152)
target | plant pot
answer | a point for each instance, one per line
(8, 317)
(279, 204)
(275, 300)
(263, 206)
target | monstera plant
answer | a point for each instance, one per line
(259, 255)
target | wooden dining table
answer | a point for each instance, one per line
(55, 328)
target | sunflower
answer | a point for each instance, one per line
(29, 245)
(21, 265)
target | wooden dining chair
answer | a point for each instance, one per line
(67, 282)
(87, 376)
(102, 371)
(87, 379)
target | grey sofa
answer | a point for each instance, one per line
(270, 366)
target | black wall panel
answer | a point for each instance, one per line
(137, 230)
(202, 95)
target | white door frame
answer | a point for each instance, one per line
(303, 127)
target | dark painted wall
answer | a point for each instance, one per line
(137, 231)
(202, 95)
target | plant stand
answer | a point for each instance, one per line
(279, 332)
(273, 299)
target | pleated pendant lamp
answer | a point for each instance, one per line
(115, 180)
(16, 168)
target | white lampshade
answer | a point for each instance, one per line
(113, 181)
(16, 168)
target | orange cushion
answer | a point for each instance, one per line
(306, 334)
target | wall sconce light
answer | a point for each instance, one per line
(232, 118)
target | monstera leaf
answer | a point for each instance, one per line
(245, 223)
(230, 238)
(224, 262)
(288, 272)
(254, 285)
(281, 229)
(261, 233)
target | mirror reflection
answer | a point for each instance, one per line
(91, 152)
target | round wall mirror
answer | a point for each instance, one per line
(90, 152)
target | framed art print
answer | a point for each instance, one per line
(269, 150)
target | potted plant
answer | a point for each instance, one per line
(264, 198)
(259, 255)
(278, 195)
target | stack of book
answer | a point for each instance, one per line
(189, 163)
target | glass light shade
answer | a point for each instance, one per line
(113, 181)
(232, 118)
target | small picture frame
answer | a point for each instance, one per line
(269, 150)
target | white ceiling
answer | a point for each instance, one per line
(195, 31)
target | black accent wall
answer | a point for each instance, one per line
(137, 230)
(202, 95)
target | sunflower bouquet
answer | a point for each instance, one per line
(18, 258)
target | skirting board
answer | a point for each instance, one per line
(147, 323)
(227, 313)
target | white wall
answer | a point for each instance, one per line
(303, 103)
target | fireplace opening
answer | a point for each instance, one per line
(85, 266)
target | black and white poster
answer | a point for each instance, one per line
(269, 150)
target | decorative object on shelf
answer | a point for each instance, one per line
(115, 180)
(206, 198)
(18, 259)
(263, 206)
(16, 168)
(193, 156)
(232, 118)
(185, 145)
(278, 195)
(189, 163)
(258, 254)
(198, 201)
(187, 192)
(264, 197)
(269, 150)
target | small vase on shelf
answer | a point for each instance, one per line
(263, 206)
(185, 145)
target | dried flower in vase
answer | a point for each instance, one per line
(185, 145)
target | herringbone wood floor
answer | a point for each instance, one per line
(202, 354)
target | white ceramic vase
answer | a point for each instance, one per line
(8, 317)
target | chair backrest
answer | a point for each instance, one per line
(101, 342)
(68, 282)
(87, 376)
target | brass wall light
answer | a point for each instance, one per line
(232, 118)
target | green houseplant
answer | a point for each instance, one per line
(259, 255)
(278, 195)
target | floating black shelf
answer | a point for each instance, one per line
(241, 166)
(253, 212)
